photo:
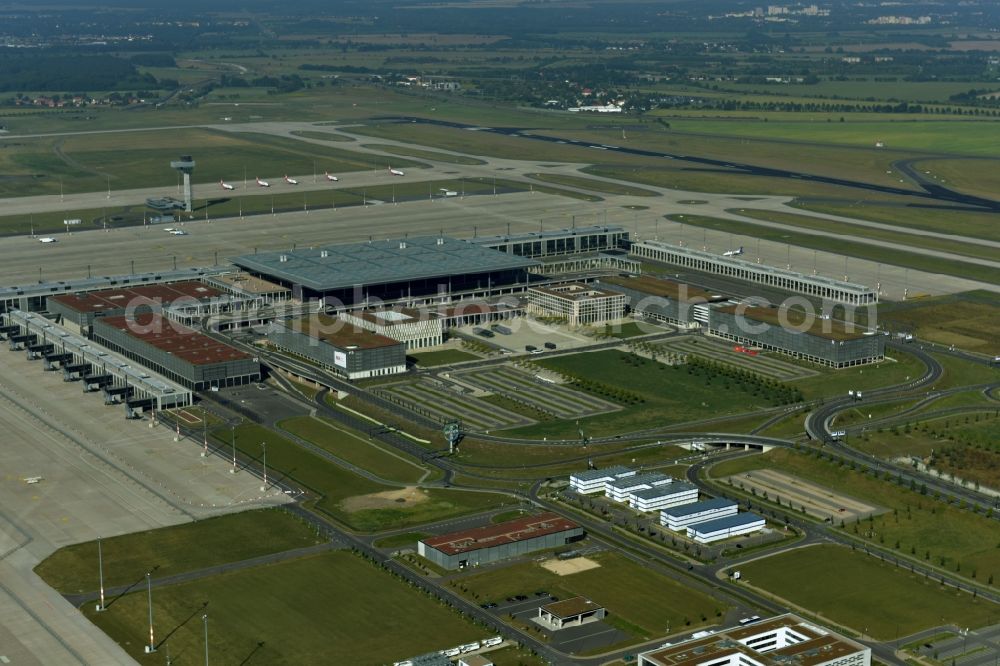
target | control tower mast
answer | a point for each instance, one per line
(185, 165)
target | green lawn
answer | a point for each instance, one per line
(334, 608)
(670, 394)
(898, 368)
(405, 540)
(174, 550)
(322, 136)
(355, 448)
(956, 539)
(871, 597)
(443, 357)
(639, 600)
(334, 484)
(970, 320)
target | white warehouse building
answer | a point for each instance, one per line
(619, 490)
(593, 480)
(724, 528)
(663, 496)
(677, 518)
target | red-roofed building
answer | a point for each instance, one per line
(490, 543)
(177, 352)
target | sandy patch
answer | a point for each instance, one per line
(569, 567)
(389, 499)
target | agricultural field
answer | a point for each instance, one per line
(639, 600)
(358, 502)
(169, 551)
(915, 525)
(873, 598)
(314, 624)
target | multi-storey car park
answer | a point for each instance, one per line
(339, 346)
(491, 543)
(786, 640)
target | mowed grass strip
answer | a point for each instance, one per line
(595, 185)
(334, 484)
(174, 550)
(355, 449)
(938, 534)
(423, 154)
(443, 357)
(333, 608)
(640, 601)
(872, 597)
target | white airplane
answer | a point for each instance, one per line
(226, 186)
(47, 239)
(31, 479)
(291, 181)
(396, 172)
(263, 183)
(733, 253)
(178, 232)
(330, 178)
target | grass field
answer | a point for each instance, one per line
(970, 321)
(290, 613)
(670, 395)
(335, 484)
(93, 162)
(405, 540)
(594, 185)
(322, 136)
(898, 368)
(171, 550)
(872, 252)
(639, 600)
(423, 154)
(953, 538)
(873, 598)
(979, 177)
(355, 448)
(443, 357)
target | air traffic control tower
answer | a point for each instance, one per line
(185, 165)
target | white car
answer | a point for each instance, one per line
(47, 239)
(178, 232)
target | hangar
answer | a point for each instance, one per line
(403, 268)
(482, 545)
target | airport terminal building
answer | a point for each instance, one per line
(418, 269)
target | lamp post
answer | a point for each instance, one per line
(100, 568)
(232, 439)
(204, 619)
(263, 446)
(151, 648)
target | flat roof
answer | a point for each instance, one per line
(340, 333)
(576, 291)
(251, 284)
(665, 490)
(678, 291)
(639, 479)
(818, 647)
(169, 336)
(729, 522)
(163, 294)
(820, 328)
(104, 282)
(594, 474)
(393, 317)
(698, 507)
(380, 262)
(489, 536)
(476, 660)
(571, 607)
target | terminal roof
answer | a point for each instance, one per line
(169, 336)
(380, 262)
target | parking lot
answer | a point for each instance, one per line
(528, 332)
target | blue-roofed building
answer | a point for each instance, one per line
(677, 518)
(724, 528)
(402, 268)
(663, 495)
(593, 480)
